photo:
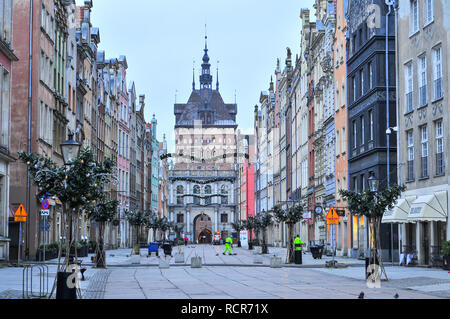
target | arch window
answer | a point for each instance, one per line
(224, 191)
(207, 192)
(197, 192)
(180, 193)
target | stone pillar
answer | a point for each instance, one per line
(418, 245)
(188, 221)
(232, 217)
(216, 220)
(432, 238)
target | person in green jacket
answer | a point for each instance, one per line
(298, 243)
(228, 243)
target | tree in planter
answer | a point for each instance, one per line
(238, 226)
(102, 212)
(250, 224)
(137, 219)
(290, 217)
(372, 205)
(163, 226)
(177, 229)
(76, 185)
(265, 220)
(153, 224)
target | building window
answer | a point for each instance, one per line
(423, 81)
(361, 76)
(207, 192)
(354, 89)
(224, 192)
(180, 218)
(424, 142)
(355, 138)
(414, 17)
(440, 164)
(370, 75)
(410, 156)
(180, 193)
(224, 218)
(371, 128)
(428, 8)
(437, 73)
(409, 87)
(197, 193)
(344, 140)
(362, 131)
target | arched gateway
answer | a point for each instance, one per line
(203, 229)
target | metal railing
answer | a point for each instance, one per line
(409, 102)
(410, 170)
(440, 165)
(438, 89)
(424, 167)
(423, 95)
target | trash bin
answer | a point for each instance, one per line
(316, 251)
(167, 247)
(63, 291)
(153, 248)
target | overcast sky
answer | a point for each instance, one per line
(161, 39)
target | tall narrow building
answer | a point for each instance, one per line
(203, 181)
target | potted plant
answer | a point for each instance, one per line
(446, 255)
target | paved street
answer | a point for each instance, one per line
(237, 277)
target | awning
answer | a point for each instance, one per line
(399, 214)
(429, 208)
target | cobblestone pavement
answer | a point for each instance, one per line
(230, 277)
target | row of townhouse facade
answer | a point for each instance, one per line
(332, 118)
(55, 82)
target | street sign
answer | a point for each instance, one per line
(307, 215)
(20, 214)
(332, 217)
(45, 212)
(45, 204)
(332, 214)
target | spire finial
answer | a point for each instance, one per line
(193, 75)
(217, 83)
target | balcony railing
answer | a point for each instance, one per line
(423, 95)
(438, 89)
(424, 167)
(440, 165)
(410, 170)
(409, 102)
(202, 173)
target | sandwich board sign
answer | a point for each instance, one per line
(20, 215)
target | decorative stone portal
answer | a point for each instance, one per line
(202, 229)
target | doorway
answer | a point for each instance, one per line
(205, 237)
(203, 229)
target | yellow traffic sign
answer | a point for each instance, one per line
(332, 221)
(332, 214)
(20, 214)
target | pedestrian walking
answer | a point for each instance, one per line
(228, 243)
(186, 239)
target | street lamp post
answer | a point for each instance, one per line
(389, 3)
(70, 150)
